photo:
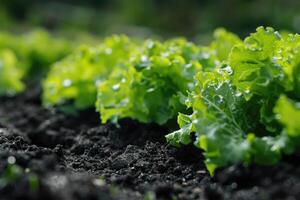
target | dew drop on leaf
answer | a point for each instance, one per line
(228, 70)
(238, 94)
(108, 51)
(11, 160)
(67, 83)
(116, 87)
(144, 58)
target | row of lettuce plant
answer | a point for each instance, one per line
(27, 56)
(239, 101)
(147, 81)
(247, 109)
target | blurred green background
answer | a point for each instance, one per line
(167, 18)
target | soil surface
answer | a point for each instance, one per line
(75, 157)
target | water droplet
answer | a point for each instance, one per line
(165, 54)
(219, 99)
(98, 82)
(150, 90)
(205, 55)
(99, 182)
(150, 44)
(216, 62)
(67, 83)
(218, 86)
(189, 65)
(108, 51)
(238, 94)
(247, 94)
(11, 160)
(144, 59)
(123, 80)
(228, 70)
(116, 87)
(191, 85)
(124, 102)
(277, 34)
(195, 121)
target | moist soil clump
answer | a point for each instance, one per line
(46, 154)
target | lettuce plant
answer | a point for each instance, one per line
(247, 109)
(10, 74)
(35, 50)
(74, 79)
(26, 57)
(152, 84)
(129, 77)
(39, 49)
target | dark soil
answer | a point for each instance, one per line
(74, 157)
